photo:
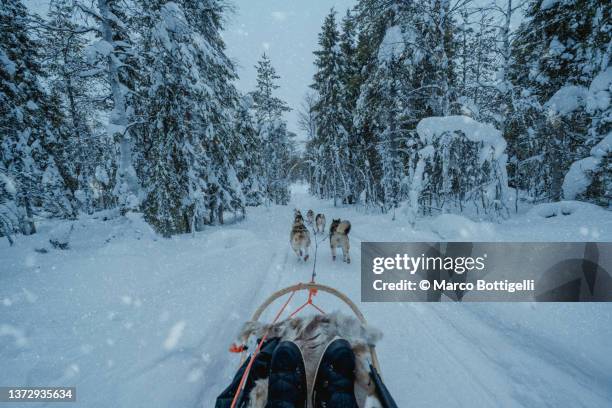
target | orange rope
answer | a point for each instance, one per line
(311, 294)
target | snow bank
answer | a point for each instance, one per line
(560, 208)
(457, 227)
(59, 236)
(431, 129)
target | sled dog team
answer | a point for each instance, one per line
(300, 235)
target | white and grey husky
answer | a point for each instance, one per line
(338, 236)
(320, 224)
(300, 238)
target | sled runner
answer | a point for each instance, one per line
(312, 334)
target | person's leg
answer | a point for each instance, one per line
(287, 381)
(335, 379)
(260, 369)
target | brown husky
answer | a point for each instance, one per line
(300, 238)
(320, 224)
(309, 217)
(338, 236)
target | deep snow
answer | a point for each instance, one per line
(134, 320)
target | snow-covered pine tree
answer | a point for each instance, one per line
(273, 133)
(382, 114)
(332, 139)
(9, 212)
(31, 125)
(113, 55)
(436, 31)
(249, 154)
(192, 180)
(350, 77)
(265, 103)
(225, 193)
(558, 51)
(476, 65)
(77, 89)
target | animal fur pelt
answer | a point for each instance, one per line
(312, 334)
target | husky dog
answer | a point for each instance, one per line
(338, 236)
(299, 238)
(320, 224)
(297, 215)
(309, 217)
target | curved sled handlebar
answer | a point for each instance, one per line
(316, 286)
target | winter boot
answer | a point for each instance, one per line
(334, 385)
(287, 381)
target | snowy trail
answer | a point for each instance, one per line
(136, 321)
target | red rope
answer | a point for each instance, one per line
(264, 337)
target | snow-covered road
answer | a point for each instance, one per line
(133, 320)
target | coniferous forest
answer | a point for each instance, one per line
(428, 107)
(173, 172)
(131, 106)
(386, 65)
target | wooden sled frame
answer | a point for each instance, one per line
(311, 288)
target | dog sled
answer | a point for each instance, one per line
(312, 334)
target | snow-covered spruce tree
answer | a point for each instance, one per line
(9, 212)
(435, 37)
(350, 77)
(31, 126)
(558, 51)
(75, 85)
(590, 178)
(272, 130)
(224, 191)
(332, 138)
(387, 107)
(476, 65)
(113, 54)
(249, 154)
(191, 180)
(406, 49)
(463, 162)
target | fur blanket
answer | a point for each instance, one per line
(312, 334)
